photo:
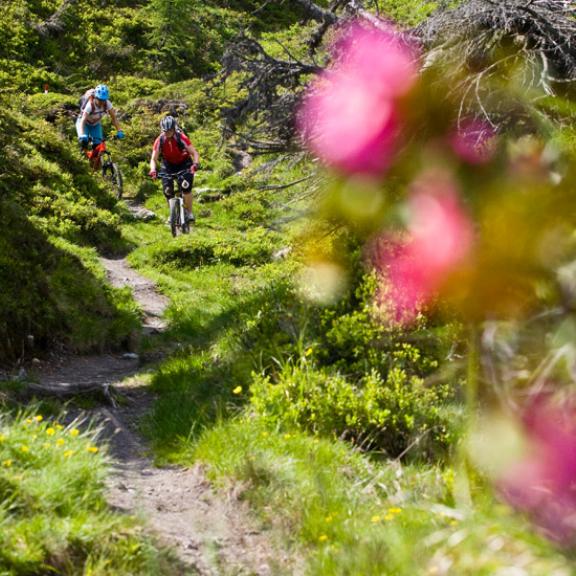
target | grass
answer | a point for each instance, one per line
(219, 279)
(53, 515)
(352, 516)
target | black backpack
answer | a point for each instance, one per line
(179, 141)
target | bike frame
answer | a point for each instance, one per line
(101, 159)
(177, 202)
(97, 154)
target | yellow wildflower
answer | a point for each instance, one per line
(394, 510)
(287, 436)
(237, 390)
(328, 519)
(375, 519)
(92, 449)
(309, 351)
(7, 463)
(28, 421)
(24, 448)
(323, 538)
(59, 426)
(39, 418)
(74, 432)
(68, 453)
(60, 442)
(389, 517)
(50, 431)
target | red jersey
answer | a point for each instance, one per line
(171, 152)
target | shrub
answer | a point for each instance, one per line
(396, 415)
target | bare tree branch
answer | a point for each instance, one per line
(318, 13)
(56, 24)
(476, 43)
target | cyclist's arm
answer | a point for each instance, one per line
(193, 152)
(112, 113)
(154, 159)
(82, 124)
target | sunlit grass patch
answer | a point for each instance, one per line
(351, 516)
(53, 514)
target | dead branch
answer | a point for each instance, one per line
(318, 13)
(480, 41)
(101, 392)
(289, 185)
(544, 26)
(476, 43)
(272, 87)
(56, 24)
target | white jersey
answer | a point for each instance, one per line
(93, 113)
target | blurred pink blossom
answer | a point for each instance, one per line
(440, 237)
(350, 116)
(543, 483)
(473, 141)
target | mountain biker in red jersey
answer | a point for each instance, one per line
(178, 154)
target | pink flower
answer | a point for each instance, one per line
(543, 483)
(440, 237)
(473, 141)
(350, 117)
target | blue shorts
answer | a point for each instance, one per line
(93, 131)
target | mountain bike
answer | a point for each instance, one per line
(179, 222)
(101, 159)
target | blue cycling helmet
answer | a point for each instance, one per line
(101, 92)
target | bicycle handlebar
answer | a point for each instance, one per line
(174, 174)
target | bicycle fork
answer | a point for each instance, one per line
(177, 204)
(178, 214)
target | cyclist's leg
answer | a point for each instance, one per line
(167, 185)
(95, 132)
(185, 186)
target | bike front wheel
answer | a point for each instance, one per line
(184, 219)
(113, 176)
(175, 216)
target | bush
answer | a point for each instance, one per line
(398, 415)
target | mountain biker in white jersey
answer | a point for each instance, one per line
(88, 124)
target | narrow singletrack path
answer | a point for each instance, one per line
(210, 531)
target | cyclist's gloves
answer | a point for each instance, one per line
(83, 141)
(153, 174)
(120, 134)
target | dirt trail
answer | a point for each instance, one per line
(210, 532)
